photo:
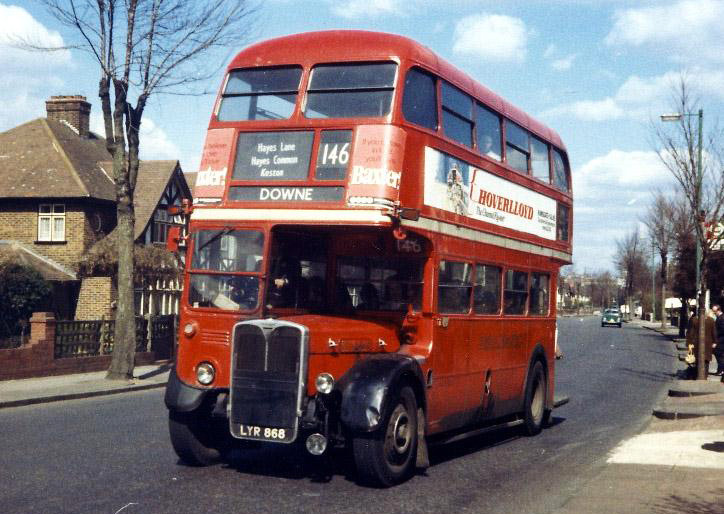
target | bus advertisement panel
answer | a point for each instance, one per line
(456, 186)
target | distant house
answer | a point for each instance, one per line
(57, 199)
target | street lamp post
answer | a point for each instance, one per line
(653, 282)
(701, 373)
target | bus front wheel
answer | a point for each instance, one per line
(387, 457)
(535, 399)
(195, 438)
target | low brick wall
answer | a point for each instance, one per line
(35, 359)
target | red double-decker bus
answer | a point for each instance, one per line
(372, 257)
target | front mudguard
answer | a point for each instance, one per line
(180, 397)
(367, 387)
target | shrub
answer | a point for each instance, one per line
(22, 291)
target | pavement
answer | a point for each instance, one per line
(676, 465)
(28, 391)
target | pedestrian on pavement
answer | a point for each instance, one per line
(719, 343)
(692, 338)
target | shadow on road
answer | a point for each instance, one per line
(291, 462)
(648, 375)
(676, 504)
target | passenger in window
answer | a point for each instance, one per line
(487, 148)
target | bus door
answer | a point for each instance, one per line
(451, 403)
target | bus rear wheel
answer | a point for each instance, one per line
(197, 440)
(387, 457)
(535, 400)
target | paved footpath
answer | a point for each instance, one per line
(27, 391)
(676, 465)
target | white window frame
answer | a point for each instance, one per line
(52, 214)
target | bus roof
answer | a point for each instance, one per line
(310, 48)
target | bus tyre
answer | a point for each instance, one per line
(192, 438)
(535, 399)
(387, 457)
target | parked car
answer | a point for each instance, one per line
(611, 317)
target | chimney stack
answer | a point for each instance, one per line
(73, 110)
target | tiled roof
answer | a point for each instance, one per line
(43, 159)
(190, 177)
(153, 177)
(48, 268)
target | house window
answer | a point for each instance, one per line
(51, 222)
(161, 222)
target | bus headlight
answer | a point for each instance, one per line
(190, 329)
(324, 383)
(205, 373)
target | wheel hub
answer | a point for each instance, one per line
(401, 436)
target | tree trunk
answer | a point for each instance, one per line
(124, 349)
(702, 368)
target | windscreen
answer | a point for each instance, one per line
(225, 269)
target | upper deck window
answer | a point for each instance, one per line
(560, 171)
(517, 147)
(260, 94)
(419, 103)
(457, 115)
(487, 126)
(354, 90)
(539, 159)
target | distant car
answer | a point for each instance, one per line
(611, 317)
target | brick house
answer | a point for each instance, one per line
(57, 199)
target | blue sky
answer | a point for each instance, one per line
(598, 72)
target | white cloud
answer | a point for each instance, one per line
(678, 30)
(612, 195)
(564, 63)
(492, 37)
(622, 175)
(17, 26)
(640, 98)
(155, 143)
(352, 9)
(28, 77)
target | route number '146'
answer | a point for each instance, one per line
(334, 154)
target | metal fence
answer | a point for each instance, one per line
(96, 337)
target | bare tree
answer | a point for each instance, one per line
(697, 165)
(683, 269)
(631, 263)
(143, 47)
(659, 221)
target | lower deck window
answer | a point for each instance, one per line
(486, 295)
(454, 287)
(516, 292)
(539, 294)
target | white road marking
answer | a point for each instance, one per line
(685, 449)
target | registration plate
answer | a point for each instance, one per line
(262, 433)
